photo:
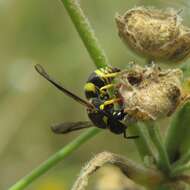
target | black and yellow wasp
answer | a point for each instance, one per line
(100, 106)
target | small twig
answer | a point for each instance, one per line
(132, 170)
(163, 161)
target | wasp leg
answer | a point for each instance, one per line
(107, 75)
(107, 87)
(108, 102)
(110, 75)
(129, 137)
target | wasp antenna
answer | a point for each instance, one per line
(41, 70)
(59, 86)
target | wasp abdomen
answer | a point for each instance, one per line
(98, 119)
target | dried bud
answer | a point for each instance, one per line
(149, 93)
(156, 34)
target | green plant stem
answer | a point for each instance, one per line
(142, 144)
(163, 161)
(86, 32)
(54, 159)
(177, 141)
(180, 169)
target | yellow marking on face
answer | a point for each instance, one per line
(90, 87)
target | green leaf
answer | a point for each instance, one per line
(177, 139)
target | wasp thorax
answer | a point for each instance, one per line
(154, 33)
(149, 93)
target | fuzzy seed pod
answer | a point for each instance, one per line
(156, 34)
(149, 93)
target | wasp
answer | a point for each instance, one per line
(99, 104)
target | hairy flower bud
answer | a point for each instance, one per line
(156, 34)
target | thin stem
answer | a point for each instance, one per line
(54, 159)
(142, 143)
(86, 32)
(163, 161)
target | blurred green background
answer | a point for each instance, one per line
(40, 31)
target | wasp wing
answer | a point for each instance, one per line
(67, 127)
